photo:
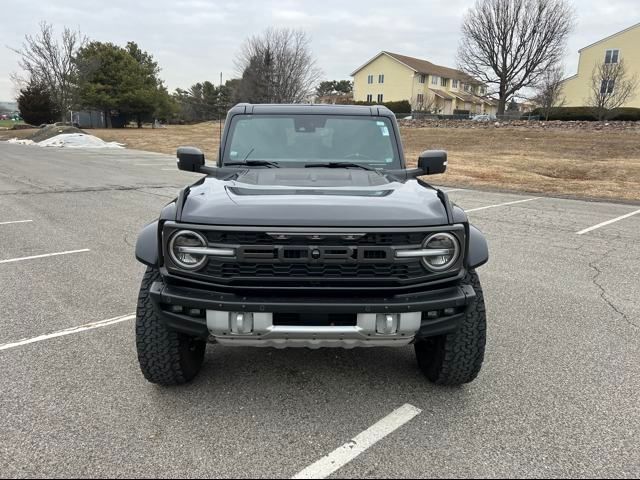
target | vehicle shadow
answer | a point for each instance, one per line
(289, 380)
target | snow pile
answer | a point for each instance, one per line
(78, 140)
(49, 131)
(70, 140)
(18, 141)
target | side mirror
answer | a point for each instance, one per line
(190, 159)
(433, 162)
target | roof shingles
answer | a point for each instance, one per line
(428, 68)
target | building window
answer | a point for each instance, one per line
(467, 87)
(612, 56)
(607, 87)
(422, 79)
(369, 98)
(454, 83)
(381, 78)
(420, 100)
(444, 82)
(434, 80)
(380, 98)
(370, 79)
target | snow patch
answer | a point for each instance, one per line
(17, 141)
(70, 140)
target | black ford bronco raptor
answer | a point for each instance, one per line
(310, 231)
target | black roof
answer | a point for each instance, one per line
(317, 109)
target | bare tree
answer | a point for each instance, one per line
(509, 44)
(49, 62)
(277, 67)
(611, 87)
(428, 103)
(548, 91)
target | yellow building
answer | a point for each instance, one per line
(389, 77)
(622, 45)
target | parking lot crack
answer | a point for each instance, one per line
(127, 241)
(603, 292)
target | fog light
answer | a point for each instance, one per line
(433, 314)
(449, 311)
(176, 308)
(195, 312)
(387, 323)
(241, 322)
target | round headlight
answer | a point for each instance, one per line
(181, 250)
(445, 251)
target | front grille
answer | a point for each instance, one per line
(311, 259)
(372, 271)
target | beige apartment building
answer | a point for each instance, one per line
(429, 87)
(624, 45)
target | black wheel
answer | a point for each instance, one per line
(456, 358)
(166, 357)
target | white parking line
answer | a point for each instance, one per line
(11, 260)
(343, 455)
(69, 331)
(453, 190)
(608, 222)
(502, 204)
(150, 164)
(15, 221)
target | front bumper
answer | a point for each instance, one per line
(411, 316)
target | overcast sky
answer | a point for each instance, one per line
(194, 40)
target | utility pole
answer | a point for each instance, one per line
(220, 110)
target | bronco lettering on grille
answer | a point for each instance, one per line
(314, 254)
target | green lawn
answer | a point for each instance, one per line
(8, 123)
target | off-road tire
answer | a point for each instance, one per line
(166, 357)
(456, 358)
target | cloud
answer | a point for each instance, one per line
(194, 40)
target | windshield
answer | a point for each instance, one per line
(298, 140)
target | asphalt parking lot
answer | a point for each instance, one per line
(558, 395)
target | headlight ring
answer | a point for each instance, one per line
(180, 244)
(438, 243)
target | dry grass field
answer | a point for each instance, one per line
(602, 164)
(590, 164)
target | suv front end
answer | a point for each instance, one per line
(313, 287)
(272, 253)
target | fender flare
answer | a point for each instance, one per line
(147, 245)
(478, 248)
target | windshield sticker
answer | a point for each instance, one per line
(385, 131)
(380, 124)
(388, 160)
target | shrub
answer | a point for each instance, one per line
(586, 114)
(567, 114)
(627, 114)
(402, 106)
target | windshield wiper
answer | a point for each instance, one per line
(339, 165)
(252, 163)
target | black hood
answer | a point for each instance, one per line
(315, 197)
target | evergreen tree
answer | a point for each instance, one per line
(37, 105)
(124, 80)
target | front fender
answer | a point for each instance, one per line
(478, 248)
(147, 245)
